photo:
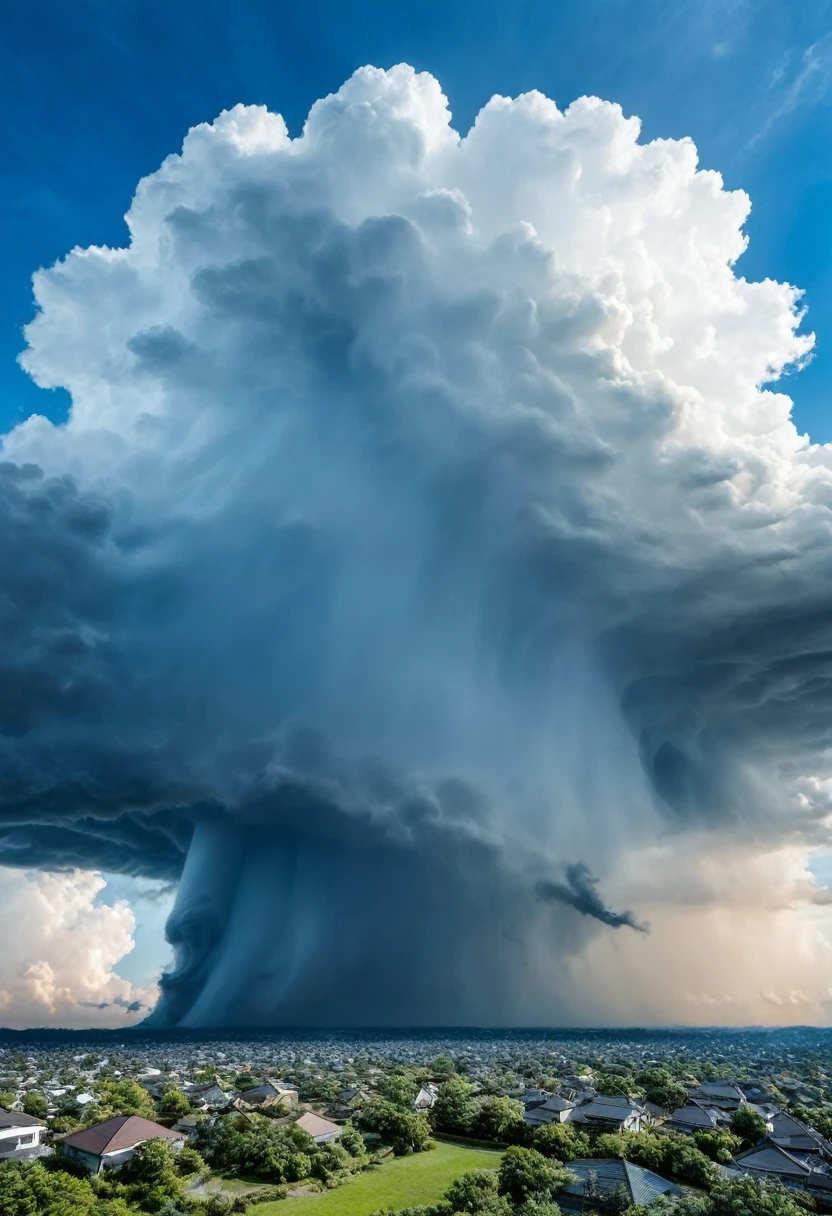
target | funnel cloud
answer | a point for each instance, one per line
(427, 535)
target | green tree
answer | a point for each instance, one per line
(669, 1096)
(7, 1099)
(16, 1195)
(752, 1197)
(402, 1130)
(652, 1078)
(244, 1081)
(498, 1119)
(454, 1109)
(748, 1125)
(562, 1141)
(613, 1083)
(122, 1098)
(151, 1176)
(538, 1207)
(717, 1145)
(173, 1104)
(525, 1173)
(687, 1164)
(476, 1192)
(399, 1089)
(188, 1161)
(352, 1140)
(35, 1104)
(611, 1144)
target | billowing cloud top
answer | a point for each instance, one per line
(423, 536)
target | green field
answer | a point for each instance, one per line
(398, 1183)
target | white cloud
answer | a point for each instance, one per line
(795, 85)
(426, 506)
(60, 951)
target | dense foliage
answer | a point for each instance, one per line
(403, 1130)
(276, 1153)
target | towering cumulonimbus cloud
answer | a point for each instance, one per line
(423, 536)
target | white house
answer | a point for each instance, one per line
(20, 1136)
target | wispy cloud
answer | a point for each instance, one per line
(796, 86)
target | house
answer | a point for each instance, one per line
(607, 1176)
(188, 1125)
(797, 1171)
(353, 1096)
(768, 1158)
(796, 1137)
(270, 1093)
(107, 1145)
(610, 1113)
(552, 1110)
(720, 1094)
(534, 1097)
(208, 1096)
(20, 1136)
(321, 1130)
(695, 1118)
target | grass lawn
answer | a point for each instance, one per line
(398, 1183)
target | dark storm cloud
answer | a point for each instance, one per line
(580, 891)
(426, 526)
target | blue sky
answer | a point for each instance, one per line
(97, 92)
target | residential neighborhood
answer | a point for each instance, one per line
(627, 1120)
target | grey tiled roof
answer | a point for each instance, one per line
(16, 1118)
(642, 1185)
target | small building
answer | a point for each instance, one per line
(552, 1110)
(767, 1159)
(720, 1094)
(107, 1145)
(188, 1125)
(321, 1130)
(20, 1136)
(534, 1097)
(208, 1096)
(797, 1137)
(695, 1118)
(270, 1093)
(600, 1177)
(610, 1113)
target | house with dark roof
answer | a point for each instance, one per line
(20, 1136)
(534, 1097)
(797, 1137)
(695, 1118)
(598, 1177)
(610, 1113)
(770, 1160)
(107, 1145)
(720, 1094)
(553, 1110)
